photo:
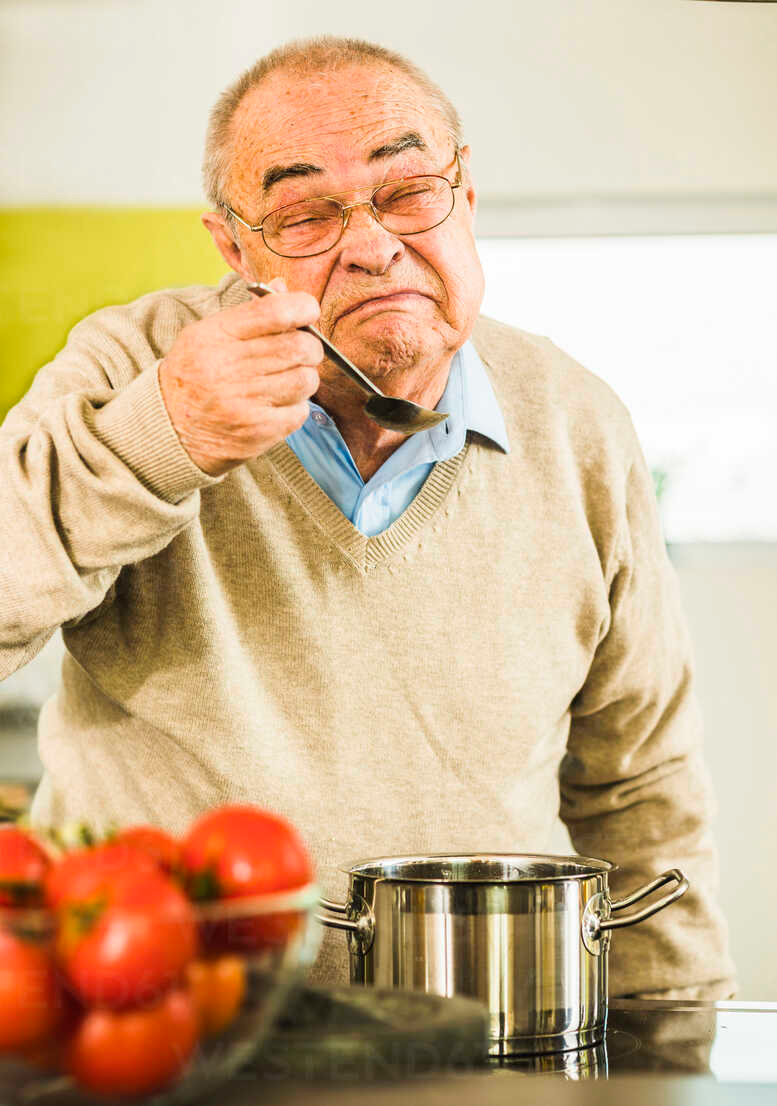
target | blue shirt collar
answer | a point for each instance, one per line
(471, 405)
(482, 412)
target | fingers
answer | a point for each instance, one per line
(278, 352)
(269, 315)
(237, 382)
(284, 389)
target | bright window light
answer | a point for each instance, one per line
(684, 328)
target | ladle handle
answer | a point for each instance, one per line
(332, 352)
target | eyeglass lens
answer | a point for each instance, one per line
(404, 207)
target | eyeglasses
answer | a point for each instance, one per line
(410, 205)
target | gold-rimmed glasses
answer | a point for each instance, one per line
(408, 205)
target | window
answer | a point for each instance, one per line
(684, 328)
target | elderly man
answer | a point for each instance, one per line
(404, 644)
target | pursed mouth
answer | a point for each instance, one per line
(387, 298)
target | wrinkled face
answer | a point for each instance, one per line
(391, 303)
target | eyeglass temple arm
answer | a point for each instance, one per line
(235, 215)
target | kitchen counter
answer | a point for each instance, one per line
(672, 1054)
(652, 1090)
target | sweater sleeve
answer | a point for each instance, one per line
(634, 786)
(93, 478)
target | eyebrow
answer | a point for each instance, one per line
(409, 141)
(276, 173)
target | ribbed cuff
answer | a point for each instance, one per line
(135, 426)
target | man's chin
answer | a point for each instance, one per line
(386, 355)
(396, 347)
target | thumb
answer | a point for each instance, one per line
(278, 284)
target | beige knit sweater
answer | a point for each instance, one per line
(425, 690)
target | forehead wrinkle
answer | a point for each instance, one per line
(301, 132)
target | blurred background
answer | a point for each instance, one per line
(625, 153)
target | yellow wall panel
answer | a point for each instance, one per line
(59, 264)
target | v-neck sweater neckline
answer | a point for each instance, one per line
(363, 551)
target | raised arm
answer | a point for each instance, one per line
(103, 460)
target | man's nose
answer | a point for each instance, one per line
(366, 244)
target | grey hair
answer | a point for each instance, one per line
(303, 56)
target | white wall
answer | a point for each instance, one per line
(730, 594)
(602, 104)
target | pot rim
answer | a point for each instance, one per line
(379, 868)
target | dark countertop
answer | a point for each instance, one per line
(674, 1054)
(498, 1089)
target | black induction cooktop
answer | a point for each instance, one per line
(372, 1035)
(729, 1042)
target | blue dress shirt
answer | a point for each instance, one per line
(372, 507)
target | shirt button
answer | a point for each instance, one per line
(320, 418)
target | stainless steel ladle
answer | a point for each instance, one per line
(387, 411)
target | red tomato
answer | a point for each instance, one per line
(81, 872)
(31, 1002)
(134, 1052)
(126, 936)
(238, 852)
(23, 864)
(154, 842)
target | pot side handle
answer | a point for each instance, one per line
(335, 908)
(673, 875)
(360, 929)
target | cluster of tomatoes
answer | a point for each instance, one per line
(125, 978)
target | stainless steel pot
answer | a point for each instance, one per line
(526, 935)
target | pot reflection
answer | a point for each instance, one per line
(577, 1064)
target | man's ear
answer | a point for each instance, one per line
(469, 188)
(229, 249)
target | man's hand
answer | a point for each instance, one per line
(237, 383)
